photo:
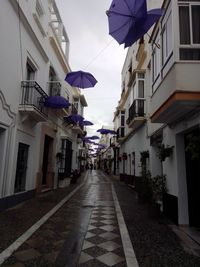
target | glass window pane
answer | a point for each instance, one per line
(169, 35)
(196, 24)
(184, 24)
(141, 89)
(122, 120)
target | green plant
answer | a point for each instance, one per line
(59, 156)
(151, 189)
(164, 152)
(143, 156)
(158, 184)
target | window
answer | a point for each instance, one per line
(140, 85)
(30, 72)
(166, 36)
(189, 25)
(155, 59)
(54, 84)
(76, 103)
(122, 118)
(30, 76)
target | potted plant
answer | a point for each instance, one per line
(143, 156)
(124, 156)
(59, 156)
(119, 158)
(165, 152)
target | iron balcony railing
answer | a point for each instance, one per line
(33, 95)
(136, 110)
(120, 132)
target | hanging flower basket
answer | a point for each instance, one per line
(143, 156)
(119, 158)
(124, 156)
(165, 152)
(59, 157)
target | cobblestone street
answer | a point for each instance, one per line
(89, 230)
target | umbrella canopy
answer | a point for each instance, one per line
(56, 102)
(106, 131)
(80, 79)
(94, 137)
(129, 20)
(137, 32)
(74, 118)
(86, 123)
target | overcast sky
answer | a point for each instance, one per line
(87, 28)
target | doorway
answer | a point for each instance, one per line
(22, 159)
(192, 158)
(66, 163)
(48, 141)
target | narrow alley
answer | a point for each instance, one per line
(88, 229)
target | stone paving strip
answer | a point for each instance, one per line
(15, 245)
(103, 246)
(129, 252)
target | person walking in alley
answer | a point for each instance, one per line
(91, 166)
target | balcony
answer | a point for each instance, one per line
(120, 134)
(136, 116)
(78, 129)
(32, 102)
(178, 95)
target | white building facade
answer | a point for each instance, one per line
(34, 61)
(160, 102)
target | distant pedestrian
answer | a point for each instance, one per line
(91, 166)
(87, 166)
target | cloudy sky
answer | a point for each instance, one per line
(92, 49)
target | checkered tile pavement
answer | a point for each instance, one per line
(102, 246)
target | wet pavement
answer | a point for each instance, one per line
(86, 229)
(83, 232)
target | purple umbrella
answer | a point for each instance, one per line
(152, 16)
(94, 137)
(106, 131)
(86, 123)
(74, 118)
(56, 102)
(80, 79)
(128, 20)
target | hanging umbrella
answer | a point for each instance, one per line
(94, 137)
(106, 131)
(86, 123)
(152, 16)
(80, 79)
(74, 118)
(128, 20)
(56, 102)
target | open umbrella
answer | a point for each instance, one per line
(86, 123)
(80, 79)
(74, 118)
(56, 102)
(94, 137)
(139, 30)
(106, 131)
(129, 20)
